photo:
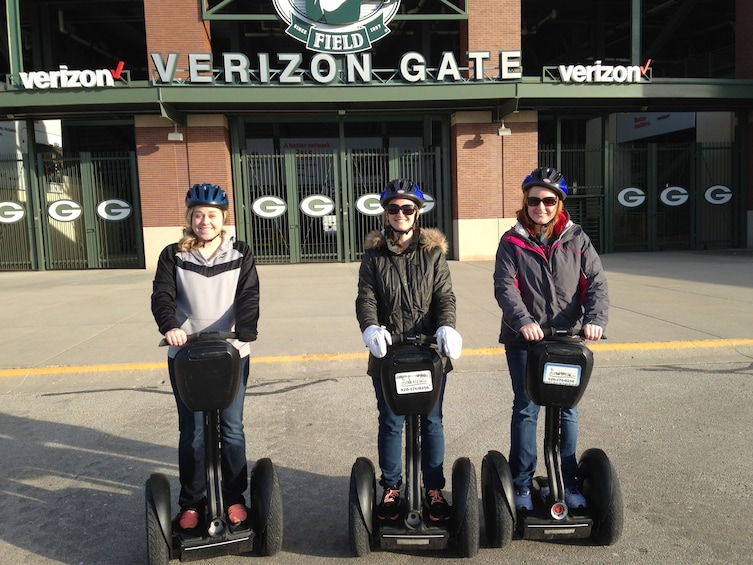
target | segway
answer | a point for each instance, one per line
(411, 380)
(207, 376)
(557, 374)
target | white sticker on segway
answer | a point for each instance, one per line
(563, 375)
(412, 382)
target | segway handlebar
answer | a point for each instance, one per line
(565, 332)
(203, 335)
(421, 339)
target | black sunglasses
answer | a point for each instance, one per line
(407, 209)
(549, 201)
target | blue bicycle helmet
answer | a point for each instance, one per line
(207, 195)
(547, 177)
(402, 188)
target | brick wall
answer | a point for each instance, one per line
(489, 168)
(168, 168)
(477, 175)
(175, 26)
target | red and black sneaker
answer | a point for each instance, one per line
(439, 509)
(389, 508)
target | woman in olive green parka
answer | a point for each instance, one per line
(404, 289)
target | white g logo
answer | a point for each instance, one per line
(674, 196)
(269, 207)
(631, 197)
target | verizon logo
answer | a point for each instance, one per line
(71, 78)
(601, 73)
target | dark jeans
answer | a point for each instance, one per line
(192, 470)
(390, 442)
(525, 415)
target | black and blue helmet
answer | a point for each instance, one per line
(547, 177)
(207, 195)
(402, 188)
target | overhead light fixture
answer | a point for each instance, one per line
(502, 131)
(175, 135)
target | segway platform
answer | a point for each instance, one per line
(411, 378)
(557, 374)
(207, 377)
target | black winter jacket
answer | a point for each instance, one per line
(407, 293)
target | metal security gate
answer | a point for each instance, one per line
(306, 206)
(88, 208)
(679, 196)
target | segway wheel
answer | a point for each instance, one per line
(465, 506)
(266, 508)
(358, 535)
(158, 548)
(498, 518)
(361, 501)
(601, 487)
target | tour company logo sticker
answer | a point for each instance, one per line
(337, 26)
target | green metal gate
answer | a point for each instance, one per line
(81, 212)
(677, 196)
(306, 206)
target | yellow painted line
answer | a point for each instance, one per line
(601, 346)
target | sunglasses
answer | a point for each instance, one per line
(549, 201)
(406, 209)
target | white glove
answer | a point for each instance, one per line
(376, 339)
(449, 341)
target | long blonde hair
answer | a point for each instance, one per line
(189, 239)
(528, 223)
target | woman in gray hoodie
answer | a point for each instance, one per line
(547, 275)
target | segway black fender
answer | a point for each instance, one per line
(499, 468)
(263, 479)
(160, 492)
(363, 473)
(462, 474)
(594, 466)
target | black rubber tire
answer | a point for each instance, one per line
(468, 533)
(269, 540)
(358, 534)
(498, 520)
(601, 487)
(158, 550)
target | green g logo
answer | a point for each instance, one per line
(337, 26)
(335, 12)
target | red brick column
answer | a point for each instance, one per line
(167, 168)
(488, 168)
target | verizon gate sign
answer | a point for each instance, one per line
(288, 68)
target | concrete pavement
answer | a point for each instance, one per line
(72, 319)
(87, 412)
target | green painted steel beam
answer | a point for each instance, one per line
(213, 13)
(177, 101)
(15, 49)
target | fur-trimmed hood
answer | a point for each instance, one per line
(428, 240)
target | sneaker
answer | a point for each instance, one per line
(574, 499)
(188, 519)
(389, 508)
(439, 509)
(523, 500)
(237, 514)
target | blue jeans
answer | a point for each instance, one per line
(191, 466)
(390, 442)
(525, 413)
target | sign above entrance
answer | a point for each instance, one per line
(337, 26)
(599, 73)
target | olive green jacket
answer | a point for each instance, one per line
(409, 293)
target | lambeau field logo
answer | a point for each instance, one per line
(337, 26)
